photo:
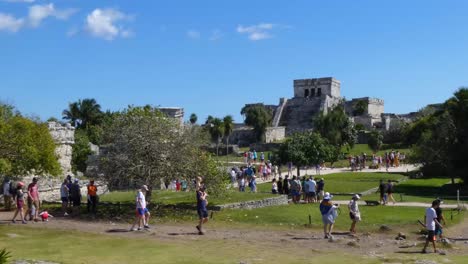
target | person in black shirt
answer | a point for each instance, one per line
(280, 185)
(440, 219)
(382, 190)
(286, 185)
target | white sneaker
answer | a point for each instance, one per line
(133, 229)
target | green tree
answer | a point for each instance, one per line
(216, 129)
(26, 147)
(360, 108)
(259, 117)
(304, 149)
(144, 146)
(81, 151)
(228, 123)
(336, 127)
(375, 140)
(83, 113)
(193, 119)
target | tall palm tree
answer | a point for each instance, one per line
(193, 118)
(83, 113)
(217, 131)
(228, 122)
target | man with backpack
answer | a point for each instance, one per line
(7, 195)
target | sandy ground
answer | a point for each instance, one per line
(369, 244)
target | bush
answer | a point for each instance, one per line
(4, 256)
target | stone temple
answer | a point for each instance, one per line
(319, 95)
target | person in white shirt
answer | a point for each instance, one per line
(142, 212)
(312, 189)
(431, 221)
(354, 213)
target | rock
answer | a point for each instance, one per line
(443, 253)
(353, 244)
(384, 228)
(401, 236)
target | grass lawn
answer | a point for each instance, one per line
(186, 198)
(295, 216)
(348, 182)
(92, 248)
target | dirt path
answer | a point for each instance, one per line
(364, 244)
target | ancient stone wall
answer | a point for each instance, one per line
(316, 87)
(174, 112)
(273, 134)
(279, 200)
(64, 138)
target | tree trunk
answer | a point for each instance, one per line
(298, 170)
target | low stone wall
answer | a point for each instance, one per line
(280, 200)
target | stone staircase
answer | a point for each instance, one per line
(279, 112)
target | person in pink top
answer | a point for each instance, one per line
(33, 200)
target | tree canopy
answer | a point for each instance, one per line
(336, 127)
(259, 117)
(144, 146)
(305, 149)
(25, 146)
(83, 113)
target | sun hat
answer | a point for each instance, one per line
(20, 184)
(144, 187)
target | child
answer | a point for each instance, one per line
(45, 216)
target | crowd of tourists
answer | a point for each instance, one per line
(387, 160)
(27, 203)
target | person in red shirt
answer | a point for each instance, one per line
(92, 197)
(33, 200)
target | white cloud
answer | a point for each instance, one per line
(215, 35)
(193, 34)
(10, 23)
(37, 13)
(103, 23)
(256, 32)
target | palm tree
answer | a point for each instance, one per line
(228, 127)
(216, 131)
(83, 113)
(193, 118)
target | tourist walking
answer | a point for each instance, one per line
(440, 219)
(354, 213)
(33, 200)
(202, 203)
(75, 196)
(311, 194)
(274, 187)
(142, 212)
(92, 197)
(329, 214)
(431, 222)
(390, 191)
(64, 193)
(7, 196)
(19, 197)
(295, 189)
(382, 190)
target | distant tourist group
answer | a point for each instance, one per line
(388, 159)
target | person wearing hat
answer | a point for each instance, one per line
(354, 213)
(329, 214)
(19, 203)
(92, 197)
(142, 212)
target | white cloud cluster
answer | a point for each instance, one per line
(10, 23)
(36, 14)
(104, 23)
(256, 32)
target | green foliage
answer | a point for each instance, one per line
(7, 111)
(145, 146)
(259, 117)
(4, 256)
(375, 140)
(81, 151)
(359, 127)
(26, 147)
(83, 113)
(193, 119)
(336, 127)
(307, 148)
(360, 108)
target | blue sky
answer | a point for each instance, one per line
(212, 57)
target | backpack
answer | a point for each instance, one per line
(12, 190)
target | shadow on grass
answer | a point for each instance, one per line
(447, 190)
(184, 234)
